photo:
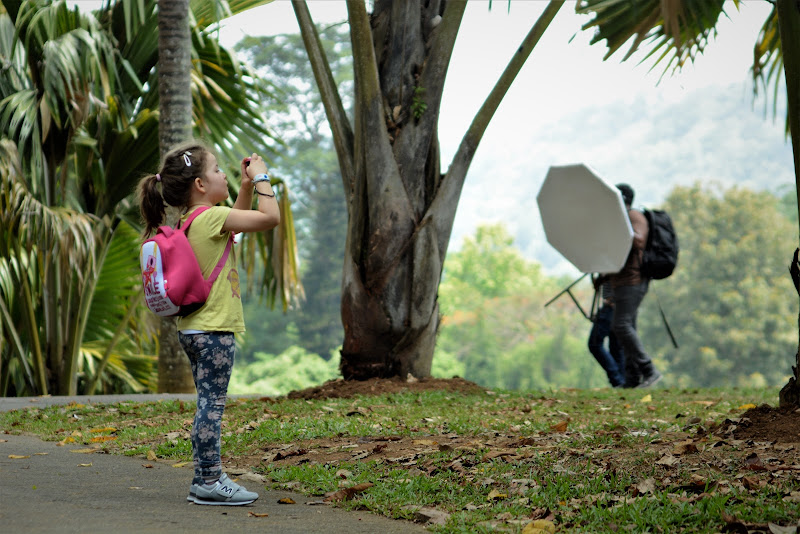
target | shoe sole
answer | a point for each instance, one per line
(655, 381)
(222, 503)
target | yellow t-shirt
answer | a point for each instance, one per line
(223, 309)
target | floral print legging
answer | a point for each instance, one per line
(211, 355)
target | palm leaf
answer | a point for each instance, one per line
(109, 327)
(768, 60)
(679, 29)
(209, 12)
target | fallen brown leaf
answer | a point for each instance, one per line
(560, 427)
(256, 514)
(668, 460)
(346, 494)
(753, 463)
(289, 454)
(684, 447)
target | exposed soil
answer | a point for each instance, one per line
(766, 423)
(345, 389)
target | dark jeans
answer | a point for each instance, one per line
(612, 360)
(211, 355)
(626, 307)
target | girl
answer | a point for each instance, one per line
(189, 178)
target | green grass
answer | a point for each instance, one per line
(585, 460)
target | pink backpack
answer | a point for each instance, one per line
(172, 279)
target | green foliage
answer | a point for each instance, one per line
(447, 365)
(292, 370)
(496, 325)
(418, 104)
(308, 163)
(730, 302)
(78, 128)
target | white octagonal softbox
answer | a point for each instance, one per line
(585, 219)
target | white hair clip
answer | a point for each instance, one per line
(186, 159)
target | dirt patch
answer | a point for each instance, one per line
(345, 389)
(767, 423)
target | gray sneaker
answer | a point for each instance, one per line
(650, 380)
(192, 493)
(223, 492)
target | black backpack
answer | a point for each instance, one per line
(661, 251)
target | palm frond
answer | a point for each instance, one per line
(767, 66)
(680, 29)
(209, 12)
(227, 102)
(116, 295)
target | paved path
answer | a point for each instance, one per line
(55, 490)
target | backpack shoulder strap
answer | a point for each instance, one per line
(191, 218)
(222, 260)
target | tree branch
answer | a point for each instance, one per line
(380, 202)
(334, 109)
(432, 80)
(444, 205)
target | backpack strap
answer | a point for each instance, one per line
(223, 259)
(191, 218)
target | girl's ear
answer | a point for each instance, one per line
(198, 185)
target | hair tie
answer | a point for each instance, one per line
(158, 177)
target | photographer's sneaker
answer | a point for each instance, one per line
(650, 380)
(192, 493)
(224, 492)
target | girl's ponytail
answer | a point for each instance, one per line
(151, 203)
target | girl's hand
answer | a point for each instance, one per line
(253, 166)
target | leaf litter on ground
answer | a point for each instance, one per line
(480, 460)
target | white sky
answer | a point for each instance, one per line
(568, 106)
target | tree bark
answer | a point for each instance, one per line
(789, 23)
(175, 126)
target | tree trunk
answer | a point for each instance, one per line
(789, 22)
(400, 206)
(175, 126)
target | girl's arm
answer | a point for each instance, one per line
(244, 219)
